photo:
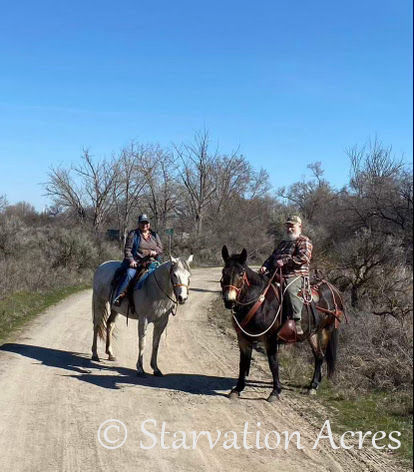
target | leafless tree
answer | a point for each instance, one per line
(84, 190)
(3, 202)
(158, 169)
(128, 186)
(197, 176)
(309, 196)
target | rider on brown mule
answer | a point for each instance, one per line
(293, 256)
(257, 311)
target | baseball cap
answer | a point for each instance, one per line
(294, 220)
(143, 218)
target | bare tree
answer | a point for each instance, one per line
(309, 196)
(3, 202)
(84, 190)
(197, 175)
(158, 169)
(128, 186)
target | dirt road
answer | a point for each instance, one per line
(53, 399)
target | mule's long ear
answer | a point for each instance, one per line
(190, 259)
(243, 256)
(225, 253)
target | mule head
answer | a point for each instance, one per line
(233, 276)
(180, 277)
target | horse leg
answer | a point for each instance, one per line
(142, 330)
(97, 322)
(245, 348)
(159, 327)
(110, 325)
(318, 345)
(271, 351)
(95, 356)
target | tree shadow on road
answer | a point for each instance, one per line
(112, 376)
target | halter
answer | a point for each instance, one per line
(245, 280)
(173, 285)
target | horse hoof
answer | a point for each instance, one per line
(312, 391)
(273, 397)
(111, 358)
(158, 373)
(234, 394)
(95, 357)
(141, 373)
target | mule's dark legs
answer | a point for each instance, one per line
(142, 330)
(110, 325)
(271, 351)
(159, 327)
(318, 344)
(244, 366)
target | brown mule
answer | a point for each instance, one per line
(258, 316)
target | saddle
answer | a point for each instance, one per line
(119, 276)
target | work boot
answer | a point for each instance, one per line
(299, 330)
(119, 298)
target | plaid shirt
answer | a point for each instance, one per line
(295, 255)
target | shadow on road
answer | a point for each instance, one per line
(112, 376)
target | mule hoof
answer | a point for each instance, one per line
(141, 373)
(111, 358)
(95, 357)
(158, 373)
(312, 391)
(234, 394)
(273, 397)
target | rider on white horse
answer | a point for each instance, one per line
(141, 243)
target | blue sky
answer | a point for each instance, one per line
(289, 83)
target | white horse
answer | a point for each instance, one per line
(164, 288)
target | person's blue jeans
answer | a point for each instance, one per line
(129, 275)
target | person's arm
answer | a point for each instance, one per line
(128, 246)
(160, 248)
(303, 253)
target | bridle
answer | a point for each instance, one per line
(174, 285)
(245, 281)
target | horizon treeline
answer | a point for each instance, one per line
(362, 233)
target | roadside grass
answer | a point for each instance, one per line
(353, 410)
(346, 405)
(20, 307)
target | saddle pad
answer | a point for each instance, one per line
(145, 275)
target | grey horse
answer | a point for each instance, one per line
(164, 288)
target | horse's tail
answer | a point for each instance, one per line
(331, 352)
(100, 314)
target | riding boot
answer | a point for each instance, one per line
(299, 330)
(119, 298)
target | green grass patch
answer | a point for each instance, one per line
(376, 411)
(21, 307)
(353, 410)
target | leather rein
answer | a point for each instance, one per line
(336, 313)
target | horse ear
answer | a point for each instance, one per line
(173, 260)
(243, 256)
(225, 253)
(190, 259)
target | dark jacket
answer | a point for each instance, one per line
(136, 247)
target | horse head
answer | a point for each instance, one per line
(233, 275)
(180, 277)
